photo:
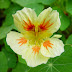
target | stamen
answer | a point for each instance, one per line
(36, 49)
(47, 44)
(22, 41)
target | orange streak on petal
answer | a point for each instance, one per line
(45, 26)
(36, 49)
(47, 23)
(29, 21)
(25, 23)
(22, 41)
(28, 26)
(50, 25)
(47, 44)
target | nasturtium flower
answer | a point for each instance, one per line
(34, 41)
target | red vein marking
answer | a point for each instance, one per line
(28, 26)
(45, 26)
(36, 49)
(47, 44)
(22, 41)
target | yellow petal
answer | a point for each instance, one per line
(52, 47)
(49, 20)
(24, 18)
(16, 41)
(33, 59)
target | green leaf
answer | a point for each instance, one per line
(47, 2)
(62, 63)
(69, 6)
(69, 40)
(65, 22)
(4, 4)
(7, 47)
(8, 24)
(1, 42)
(63, 38)
(4, 30)
(3, 62)
(37, 7)
(68, 51)
(11, 10)
(31, 4)
(21, 68)
(11, 58)
(21, 60)
(25, 2)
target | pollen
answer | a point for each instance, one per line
(36, 49)
(22, 41)
(47, 44)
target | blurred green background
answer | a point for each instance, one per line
(11, 62)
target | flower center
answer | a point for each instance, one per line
(36, 33)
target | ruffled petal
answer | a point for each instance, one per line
(52, 47)
(33, 58)
(49, 20)
(25, 19)
(17, 42)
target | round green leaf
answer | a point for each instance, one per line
(7, 47)
(69, 6)
(47, 2)
(63, 38)
(1, 42)
(62, 63)
(69, 40)
(11, 59)
(37, 7)
(4, 3)
(21, 60)
(3, 62)
(11, 10)
(21, 68)
(65, 22)
(25, 2)
(4, 30)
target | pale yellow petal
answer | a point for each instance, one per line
(57, 36)
(13, 39)
(44, 14)
(24, 16)
(49, 20)
(32, 59)
(52, 47)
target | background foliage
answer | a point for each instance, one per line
(11, 62)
